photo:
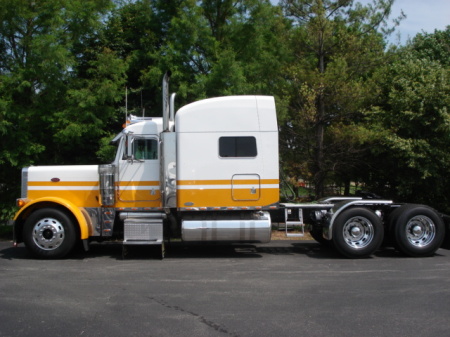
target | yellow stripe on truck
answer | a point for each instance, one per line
(226, 182)
(80, 193)
(225, 193)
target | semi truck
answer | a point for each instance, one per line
(207, 173)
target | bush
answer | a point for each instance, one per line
(6, 213)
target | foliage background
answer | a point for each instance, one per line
(353, 111)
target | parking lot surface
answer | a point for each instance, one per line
(285, 288)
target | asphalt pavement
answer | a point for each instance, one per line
(284, 288)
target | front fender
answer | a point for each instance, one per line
(80, 216)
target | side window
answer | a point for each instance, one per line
(237, 147)
(145, 149)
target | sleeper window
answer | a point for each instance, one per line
(237, 147)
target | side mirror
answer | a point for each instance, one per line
(129, 140)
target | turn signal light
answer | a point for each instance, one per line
(21, 202)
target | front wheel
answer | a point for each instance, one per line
(357, 233)
(49, 233)
(418, 230)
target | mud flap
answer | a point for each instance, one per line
(446, 242)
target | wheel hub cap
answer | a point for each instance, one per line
(417, 230)
(48, 233)
(355, 231)
(358, 232)
(420, 231)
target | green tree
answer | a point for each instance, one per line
(433, 46)
(137, 32)
(90, 110)
(337, 45)
(409, 159)
(221, 47)
(43, 44)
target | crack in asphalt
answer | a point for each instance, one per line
(202, 319)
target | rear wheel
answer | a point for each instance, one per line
(418, 230)
(49, 233)
(357, 233)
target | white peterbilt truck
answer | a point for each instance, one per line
(208, 173)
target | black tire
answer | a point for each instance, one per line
(418, 230)
(389, 236)
(316, 234)
(49, 233)
(357, 232)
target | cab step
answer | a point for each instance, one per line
(293, 217)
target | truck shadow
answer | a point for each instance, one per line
(182, 250)
(175, 250)
(179, 250)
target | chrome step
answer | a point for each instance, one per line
(294, 217)
(143, 231)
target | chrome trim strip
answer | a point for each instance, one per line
(138, 209)
(139, 215)
(309, 206)
(337, 199)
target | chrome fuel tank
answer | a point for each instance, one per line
(257, 229)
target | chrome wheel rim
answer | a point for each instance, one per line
(48, 233)
(420, 231)
(358, 232)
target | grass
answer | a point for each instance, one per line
(281, 235)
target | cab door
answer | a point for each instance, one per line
(246, 187)
(138, 184)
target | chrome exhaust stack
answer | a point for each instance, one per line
(168, 104)
(168, 158)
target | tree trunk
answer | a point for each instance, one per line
(319, 174)
(347, 187)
